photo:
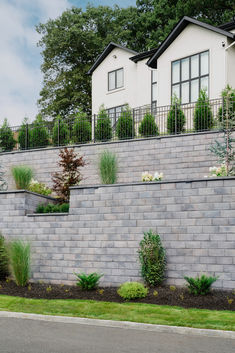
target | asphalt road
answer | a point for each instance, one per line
(30, 336)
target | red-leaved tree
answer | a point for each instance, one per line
(70, 175)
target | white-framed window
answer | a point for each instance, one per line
(189, 75)
(115, 79)
(115, 112)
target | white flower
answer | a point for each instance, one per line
(158, 176)
(146, 176)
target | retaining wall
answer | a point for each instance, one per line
(196, 221)
(178, 157)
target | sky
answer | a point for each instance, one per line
(20, 59)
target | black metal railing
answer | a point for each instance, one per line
(141, 122)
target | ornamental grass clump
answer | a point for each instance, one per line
(22, 176)
(132, 290)
(200, 285)
(108, 167)
(4, 259)
(88, 282)
(152, 257)
(20, 261)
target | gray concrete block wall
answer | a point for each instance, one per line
(178, 157)
(106, 223)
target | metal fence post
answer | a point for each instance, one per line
(58, 131)
(93, 123)
(133, 123)
(175, 118)
(26, 136)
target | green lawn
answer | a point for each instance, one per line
(145, 313)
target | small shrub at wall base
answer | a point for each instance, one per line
(4, 259)
(50, 208)
(20, 261)
(88, 282)
(108, 167)
(152, 258)
(148, 126)
(22, 176)
(39, 188)
(200, 285)
(132, 290)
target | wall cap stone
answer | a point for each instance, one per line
(27, 192)
(47, 214)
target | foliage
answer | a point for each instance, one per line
(22, 176)
(81, 129)
(152, 258)
(218, 171)
(146, 176)
(39, 188)
(3, 183)
(108, 167)
(175, 118)
(60, 132)
(7, 141)
(148, 126)
(125, 128)
(84, 34)
(38, 135)
(103, 128)
(132, 290)
(88, 282)
(200, 285)
(4, 259)
(70, 175)
(203, 116)
(51, 208)
(227, 111)
(23, 135)
(20, 261)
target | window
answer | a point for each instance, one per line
(154, 87)
(189, 76)
(115, 79)
(115, 112)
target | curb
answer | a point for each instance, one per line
(121, 324)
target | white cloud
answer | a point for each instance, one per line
(20, 76)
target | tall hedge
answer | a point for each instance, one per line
(103, 128)
(125, 128)
(175, 118)
(7, 141)
(203, 116)
(81, 129)
(38, 135)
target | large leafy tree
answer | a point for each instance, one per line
(71, 43)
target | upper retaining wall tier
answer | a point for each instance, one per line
(195, 219)
(178, 157)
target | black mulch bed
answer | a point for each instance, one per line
(164, 295)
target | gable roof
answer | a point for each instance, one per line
(106, 52)
(152, 62)
(144, 55)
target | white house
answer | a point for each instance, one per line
(195, 55)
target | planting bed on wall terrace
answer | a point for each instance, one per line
(163, 295)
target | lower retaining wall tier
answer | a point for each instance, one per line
(195, 219)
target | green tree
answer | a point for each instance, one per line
(60, 132)
(7, 141)
(148, 126)
(38, 135)
(125, 128)
(175, 118)
(103, 128)
(23, 135)
(227, 110)
(203, 116)
(81, 128)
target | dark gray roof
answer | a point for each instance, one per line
(106, 51)
(152, 62)
(144, 55)
(229, 26)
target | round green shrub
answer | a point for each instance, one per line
(38, 136)
(23, 135)
(132, 290)
(175, 118)
(81, 129)
(203, 116)
(7, 141)
(152, 257)
(228, 106)
(148, 127)
(125, 128)
(60, 132)
(103, 128)
(4, 259)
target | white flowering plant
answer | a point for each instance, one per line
(146, 176)
(220, 171)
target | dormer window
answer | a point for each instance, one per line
(115, 79)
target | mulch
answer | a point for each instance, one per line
(163, 295)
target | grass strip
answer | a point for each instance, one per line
(134, 312)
